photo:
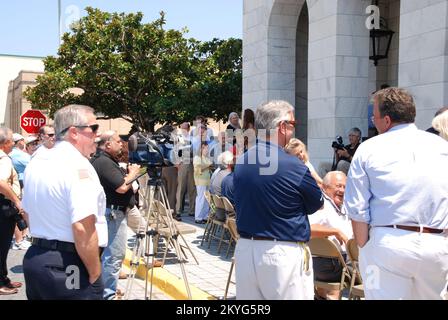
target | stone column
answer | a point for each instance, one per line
(423, 58)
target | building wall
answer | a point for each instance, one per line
(340, 75)
(10, 66)
(423, 62)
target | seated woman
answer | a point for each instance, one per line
(298, 148)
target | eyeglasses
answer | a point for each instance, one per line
(51, 135)
(93, 127)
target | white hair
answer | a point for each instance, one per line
(270, 114)
(226, 158)
(327, 180)
(440, 123)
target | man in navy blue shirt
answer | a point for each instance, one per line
(274, 192)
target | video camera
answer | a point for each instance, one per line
(338, 144)
(151, 150)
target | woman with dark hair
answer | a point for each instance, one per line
(248, 119)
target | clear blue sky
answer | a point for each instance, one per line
(30, 27)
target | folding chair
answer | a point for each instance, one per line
(322, 247)
(356, 291)
(231, 222)
(172, 231)
(211, 214)
(228, 207)
(217, 224)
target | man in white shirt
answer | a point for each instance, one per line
(65, 203)
(332, 222)
(397, 198)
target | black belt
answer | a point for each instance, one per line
(54, 245)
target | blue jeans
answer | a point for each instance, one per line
(115, 251)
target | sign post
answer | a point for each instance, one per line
(32, 120)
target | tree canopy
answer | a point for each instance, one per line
(140, 72)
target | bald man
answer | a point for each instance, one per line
(332, 222)
(119, 200)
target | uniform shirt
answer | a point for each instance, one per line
(20, 160)
(274, 193)
(8, 174)
(61, 188)
(400, 177)
(333, 217)
(112, 177)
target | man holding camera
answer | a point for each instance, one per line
(119, 200)
(344, 154)
(8, 214)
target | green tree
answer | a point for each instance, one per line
(140, 72)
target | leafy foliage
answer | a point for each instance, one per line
(140, 72)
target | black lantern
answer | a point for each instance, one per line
(381, 40)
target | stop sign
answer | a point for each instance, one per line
(32, 120)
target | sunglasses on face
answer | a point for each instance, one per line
(51, 135)
(93, 127)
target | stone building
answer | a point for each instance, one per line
(315, 54)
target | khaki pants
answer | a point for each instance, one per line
(185, 182)
(169, 178)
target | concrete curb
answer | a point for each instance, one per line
(167, 282)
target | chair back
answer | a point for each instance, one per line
(355, 290)
(217, 200)
(228, 206)
(208, 197)
(322, 247)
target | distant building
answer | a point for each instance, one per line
(15, 103)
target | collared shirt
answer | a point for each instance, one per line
(333, 217)
(274, 194)
(8, 173)
(400, 177)
(20, 160)
(61, 188)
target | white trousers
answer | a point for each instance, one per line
(201, 207)
(273, 270)
(401, 264)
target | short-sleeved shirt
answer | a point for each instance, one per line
(20, 160)
(60, 188)
(274, 194)
(227, 188)
(8, 173)
(216, 180)
(333, 217)
(112, 177)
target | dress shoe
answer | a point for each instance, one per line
(5, 290)
(204, 221)
(177, 217)
(198, 221)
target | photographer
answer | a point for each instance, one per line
(9, 215)
(344, 154)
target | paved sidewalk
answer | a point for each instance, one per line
(209, 276)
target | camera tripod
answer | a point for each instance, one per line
(159, 213)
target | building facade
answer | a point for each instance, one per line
(315, 55)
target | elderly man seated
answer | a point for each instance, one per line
(332, 222)
(225, 161)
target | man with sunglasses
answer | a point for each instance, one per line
(47, 136)
(65, 203)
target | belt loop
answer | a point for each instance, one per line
(421, 228)
(395, 226)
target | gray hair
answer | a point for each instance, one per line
(70, 116)
(270, 114)
(105, 137)
(329, 177)
(5, 135)
(356, 131)
(231, 114)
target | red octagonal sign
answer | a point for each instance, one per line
(32, 120)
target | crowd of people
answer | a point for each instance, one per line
(389, 193)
